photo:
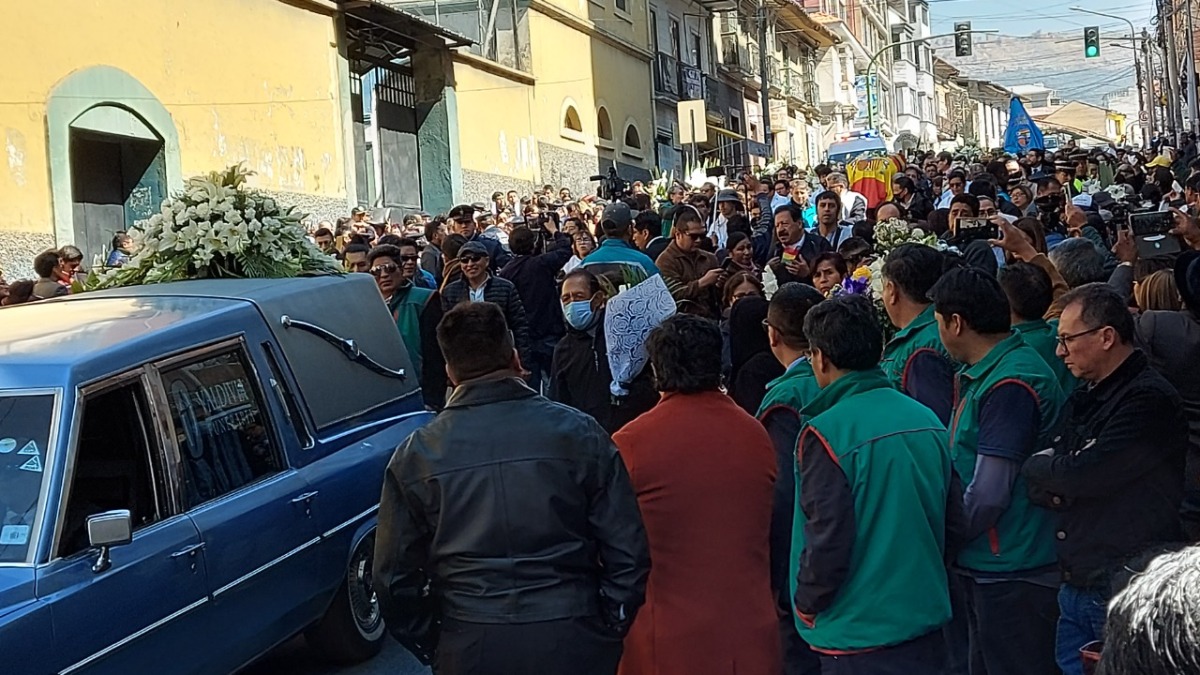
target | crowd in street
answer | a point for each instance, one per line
(954, 431)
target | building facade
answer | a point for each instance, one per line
(104, 129)
(912, 74)
(550, 92)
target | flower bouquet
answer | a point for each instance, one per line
(217, 228)
(889, 235)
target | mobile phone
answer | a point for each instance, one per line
(971, 229)
(1151, 232)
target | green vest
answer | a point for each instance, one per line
(895, 455)
(922, 333)
(1041, 335)
(1023, 537)
(794, 389)
(406, 306)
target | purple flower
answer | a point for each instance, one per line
(856, 286)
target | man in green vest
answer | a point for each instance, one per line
(1030, 293)
(879, 501)
(914, 359)
(786, 396)
(415, 314)
(1007, 405)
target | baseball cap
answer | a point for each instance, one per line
(474, 247)
(617, 212)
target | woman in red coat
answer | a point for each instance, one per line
(704, 473)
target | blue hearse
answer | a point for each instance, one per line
(190, 473)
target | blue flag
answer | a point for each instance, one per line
(1022, 134)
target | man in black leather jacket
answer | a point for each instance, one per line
(509, 539)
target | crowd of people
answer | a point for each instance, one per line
(950, 454)
(957, 472)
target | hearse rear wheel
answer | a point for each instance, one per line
(352, 629)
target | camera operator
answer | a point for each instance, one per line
(534, 274)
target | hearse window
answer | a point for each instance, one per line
(26, 427)
(224, 438)
(116, 462)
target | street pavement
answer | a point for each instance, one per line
(295, 658)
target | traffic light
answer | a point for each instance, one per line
(962, 38)
(1091, 42)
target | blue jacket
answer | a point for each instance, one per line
(618, 251)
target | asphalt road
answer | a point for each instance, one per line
(295, 658)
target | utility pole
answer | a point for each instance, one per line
(1151, 99)
(764, 94)
(1191, 72)
(875, 57)
(1171, 71)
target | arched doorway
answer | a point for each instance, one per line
(118, 175)
(114, 155)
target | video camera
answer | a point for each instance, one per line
(612, 187)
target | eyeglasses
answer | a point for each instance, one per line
(384, 270)
(409, 258)
(469, 259)
(696, 236)
(766, 324)
(1065, 340)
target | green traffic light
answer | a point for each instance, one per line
(1092, 51)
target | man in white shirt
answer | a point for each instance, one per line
(854, 205)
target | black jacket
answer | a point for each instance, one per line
(488, 527)
(534, 277)
(1116, 475)
(499, 292)
(580, 377)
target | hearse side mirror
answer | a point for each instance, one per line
(108, 529)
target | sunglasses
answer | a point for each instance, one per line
(696, 236)
(384, 270)
(469, 259)
(409, 258)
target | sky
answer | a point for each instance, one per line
(1022, 17)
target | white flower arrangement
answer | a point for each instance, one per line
(216, 228)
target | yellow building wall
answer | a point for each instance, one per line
(244, 80)
(495, 125)
(510, 132)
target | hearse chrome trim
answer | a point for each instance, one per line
(349, 347)
(130, 638)
(337, 528)
(265, 566)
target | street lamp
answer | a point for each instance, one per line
(1137, 69)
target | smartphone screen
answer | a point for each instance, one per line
(1151, 223)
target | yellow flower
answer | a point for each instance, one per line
(861, 273)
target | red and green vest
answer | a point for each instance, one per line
(794, 389)
(895, 455)
(922, 333)
(1042, 336)
(406, 305)
(1023, 537)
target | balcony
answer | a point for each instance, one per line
(674, 81)
(666, 77)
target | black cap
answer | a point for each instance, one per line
(462, 212)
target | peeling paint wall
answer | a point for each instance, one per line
(244, 81)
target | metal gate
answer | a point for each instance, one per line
(385, 123)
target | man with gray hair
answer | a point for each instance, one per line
(1079, 261)
(1154, 624)
(854, 205)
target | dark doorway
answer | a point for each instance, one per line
(116, 181)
